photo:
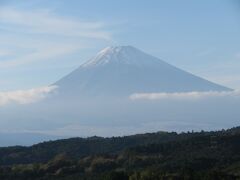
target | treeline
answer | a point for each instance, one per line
(152, 156)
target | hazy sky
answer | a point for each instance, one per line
(42, 40)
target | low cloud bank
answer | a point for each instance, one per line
(25, 96)
(184, 95)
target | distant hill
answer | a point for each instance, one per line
(151, 156)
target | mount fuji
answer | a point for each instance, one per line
(95, 99)
(123, 70)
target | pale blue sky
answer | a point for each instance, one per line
(42, 40)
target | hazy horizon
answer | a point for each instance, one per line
(169, 66)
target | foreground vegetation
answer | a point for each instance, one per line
(152, 156)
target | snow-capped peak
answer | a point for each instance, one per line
(118, 54)
(125, 70)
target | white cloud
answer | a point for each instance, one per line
(4, 52)
(183, 95)
(42, 53)
(39, 35)
(47, 22)
(237, 55)
(25, 96)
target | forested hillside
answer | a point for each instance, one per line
(152, 156)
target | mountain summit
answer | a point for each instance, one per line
(127, 55)
(124, 70)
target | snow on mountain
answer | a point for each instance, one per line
(124, 70)
(96, 99)
(127, 55)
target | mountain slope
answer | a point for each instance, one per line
(151, 156)
(81, 147)
(125, 70)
